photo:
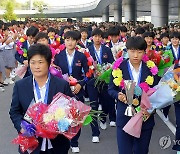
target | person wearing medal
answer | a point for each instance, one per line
(102, 55)
(138, 71)
(41, 86)
(73, 63)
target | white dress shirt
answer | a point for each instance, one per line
(43, 93)
(84, 42)
(176, 50)
(9, 46)
(70, 57)
(114, 44)
(135, 73)
(98, 51)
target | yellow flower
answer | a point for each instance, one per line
(117, 81)
(22, 39)
(150, 64)
(59, 114)
(178, 89)
(150, 80)
(117, 73)
(48, 117)
(58, 39)
(24, 54)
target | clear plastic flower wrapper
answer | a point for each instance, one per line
(167, 91)
(64, 115)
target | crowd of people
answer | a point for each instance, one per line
(39, 45)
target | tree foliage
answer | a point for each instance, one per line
(9, 14)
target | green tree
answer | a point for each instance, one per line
(9, 14)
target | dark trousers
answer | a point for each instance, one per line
(108, 106)
(94, 99)
(177, 113)
(128, 144)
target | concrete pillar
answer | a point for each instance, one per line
(159, 12)
(118, 11)
(31, 4)
(105, 16)
(130, 10)
(79, 19)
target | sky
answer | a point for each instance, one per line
(61, 2)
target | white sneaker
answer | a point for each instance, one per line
(86, 99)
(112, 124)
(95, 139)
(8, 81)
(75, 149)
(100, 107)
(103, 125)
(2, 89)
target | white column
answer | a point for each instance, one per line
(105, 16)
(159, 12)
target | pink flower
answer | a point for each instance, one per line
(117, 63)
(144, 86)
(154, 70)
(122, 84)
(19, 44)
(62, 47)
(145, 58)
(20, 52)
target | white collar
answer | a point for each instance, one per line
(132, 67)
(71, 54)
(42, 86)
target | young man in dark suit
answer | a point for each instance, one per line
(132, 69)
(74, 63)
(41, 86)
(102, 55)
(31, 33)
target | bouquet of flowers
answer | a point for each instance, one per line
(103, 73)
(19, 46)
(163, 59)
(21, 70)
(119, 50)
(64, 115)
(168, 90)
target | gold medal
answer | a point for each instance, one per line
(135, 102)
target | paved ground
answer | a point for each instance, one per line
(107, 145)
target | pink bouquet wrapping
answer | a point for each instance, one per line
(134, 125)
(21, 71)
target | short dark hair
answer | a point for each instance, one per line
(69, 20)
(32, 31)
(97, 31)
(71, 34)
(14, 22)
(175, 34)
(164, 35)
(105, 35)
(41, 35)
(114, 31)
(139, 30)
(40, 49)
(51, 29)
(1, 26)
(136, 43)
(149, 34)
(83, 30)
(123, 29)
(67, 27)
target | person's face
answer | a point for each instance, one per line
(66, 30)
(14, 26)
(123, 34)
(30, 39)
(114, 39)
(175, 41)
(6, 32)
(135, 56)
(43, 41)
(39, 66)
(93, 27)
(84, 35)
(139, 35)
(51, 35)
(70, 43)
(102, 29)
(149, 40)
(97, 39)
(165, 40)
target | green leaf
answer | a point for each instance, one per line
(87, 121)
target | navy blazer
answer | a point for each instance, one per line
(19, 57)
(171, 48)
(79, 65)
(22, 96)
(121, 107)
(106, 57)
